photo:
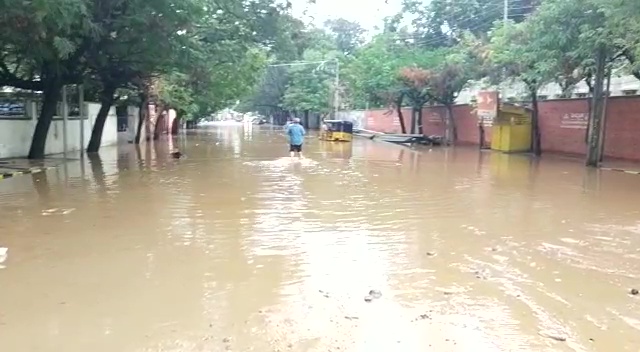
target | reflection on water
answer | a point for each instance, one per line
(239, 247)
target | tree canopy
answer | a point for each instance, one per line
(194, 55)
(200, 56)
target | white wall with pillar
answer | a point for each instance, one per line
(133, 114)
(16, 133)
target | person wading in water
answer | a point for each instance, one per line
(296, 133)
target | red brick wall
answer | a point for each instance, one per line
(386, 120)
(560, 133)
(562, 125)
(622, 138)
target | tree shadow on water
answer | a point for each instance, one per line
(42, 187)
(97, 171)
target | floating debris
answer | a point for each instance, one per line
(4, 254)
(57, 211)
(553, 336)
(424, 316)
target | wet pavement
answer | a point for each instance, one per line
(362, 247)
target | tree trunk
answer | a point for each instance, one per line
(106, 101)
(159, 108)
(161, 122)
(603, 130)
(595, 140)
(97, 170)
(51, 96)
(452, 130)
(420, 127)
(403, 127)
(481, 135)
(536, 143)
(589, 100)
(414, 115)
(175, 126)
(141, 117)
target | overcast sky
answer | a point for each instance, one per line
(369, 13)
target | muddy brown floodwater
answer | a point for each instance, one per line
(236, 249)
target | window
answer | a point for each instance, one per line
(630, 92)
(582, 95)
(543, 97)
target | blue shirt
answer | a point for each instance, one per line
(296, 134)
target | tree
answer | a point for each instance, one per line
(416, 75)
(348, 35)
(577, 40)
(42, 47)
(267, 95)
(374, 74)
(291, 39)
(515, 53)
(122, 55)
(445, 23)
(311, 86)
(206, 52)
(456, 67)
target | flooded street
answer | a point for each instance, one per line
(235, 248)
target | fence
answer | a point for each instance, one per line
(563, 125)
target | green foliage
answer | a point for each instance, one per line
(41, 36)
(347, 35)
(311, 87)
(515, 53)
(445, 23)
(194, 55)
(456, 68)
(558, 42)
(309, 84)
(374, 71)
(291, 42)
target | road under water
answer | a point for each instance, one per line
(235, 248)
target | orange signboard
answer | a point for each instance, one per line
(487, 110)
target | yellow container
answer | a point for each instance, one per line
(511, 131)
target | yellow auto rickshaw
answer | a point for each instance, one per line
(337, 130)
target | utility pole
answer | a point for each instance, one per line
(82, 113)
(65, 118)
(336, 98)
(506, 11)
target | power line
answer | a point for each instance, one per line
(301, 63)
(491, 11)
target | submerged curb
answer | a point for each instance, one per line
(622, 170)
(33, 170)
